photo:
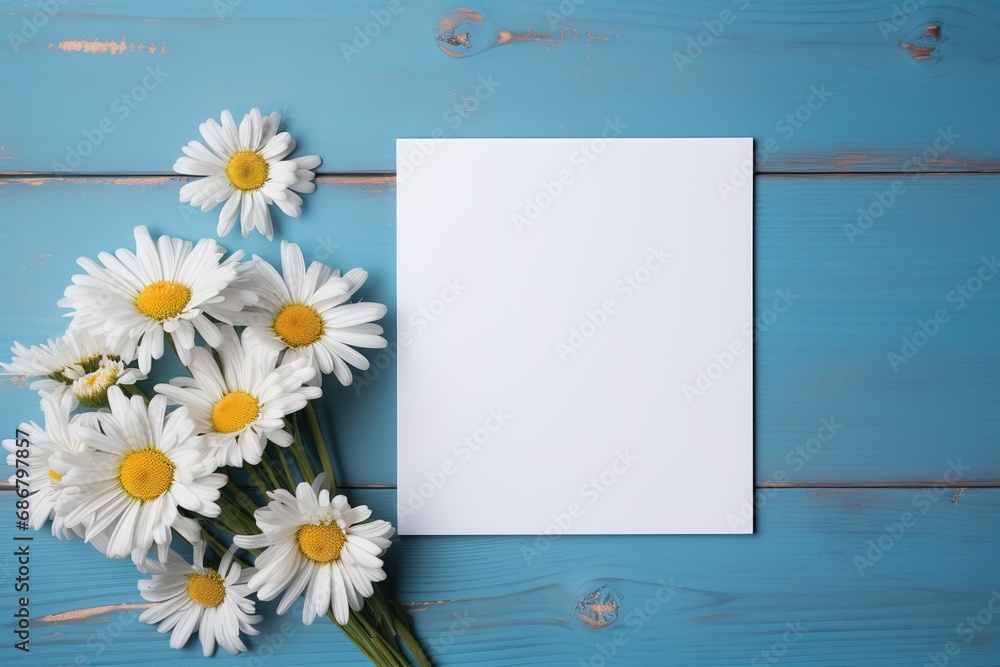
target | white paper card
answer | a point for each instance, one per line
(575, 336)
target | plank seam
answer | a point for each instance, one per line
(391, 175)
(942, 484)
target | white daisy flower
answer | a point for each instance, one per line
(78, 363)
(194, 598)
(144, 464)
(306, 314)
(247, 169)
(241, 405)
(41, 445)
(317, 544)
(167, 287)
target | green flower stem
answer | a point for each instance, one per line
(320, 442)
(360, 631)
(216, 545)
(299, 453)
(396, 624)
(233, 519)
(383, 617)
(358, 636)
(258, 480)
(220, 549)
(266, 473)
(393, 623)
(274, 473)
(413, 645)
(288, 470)
(241, 499)
(282, 476)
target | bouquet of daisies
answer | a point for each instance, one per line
(229, 457)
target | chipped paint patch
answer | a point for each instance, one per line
(599, 609)
(13, 382)
(463, 32)
(712, 617)
(832, 494)
(855, 159)
(924, 46)
(140, 180)
(456, 17)
(108, 46)
(78, 615)
(91, 180)
(377, 180)
(600, 38)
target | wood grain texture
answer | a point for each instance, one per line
(667, 600)
(825, 357)
(151, 71)
(107, 92)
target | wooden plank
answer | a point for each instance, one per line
(824, 358)
(684, 600)
(125, 87)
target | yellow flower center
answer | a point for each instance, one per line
(321, 543)
(163, 299)
(299, 325)
(247, 171)
(146, 474)
(208, 590)
(54, 475)
(234, 411)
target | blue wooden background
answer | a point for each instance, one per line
(876, 547)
